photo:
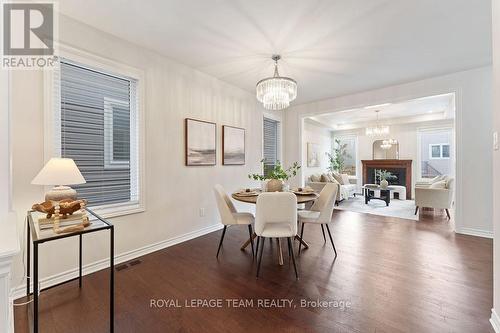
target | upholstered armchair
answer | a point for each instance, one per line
(435, 196)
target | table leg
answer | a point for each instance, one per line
(80, 263)
(111, 280)
(280, 252)
(248, 242)
(28, 259)
(35, 288)
(306, 246)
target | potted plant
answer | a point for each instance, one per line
(276, 176)
(337, 159)
(384, 175)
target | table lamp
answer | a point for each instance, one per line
(59, 172)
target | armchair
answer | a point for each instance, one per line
(433, 197)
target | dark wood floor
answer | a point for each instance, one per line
(398, 276)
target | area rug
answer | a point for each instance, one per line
(404, 209)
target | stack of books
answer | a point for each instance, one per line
(45, 223)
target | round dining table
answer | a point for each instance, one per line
(301, 199)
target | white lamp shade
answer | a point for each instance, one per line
(59, 171)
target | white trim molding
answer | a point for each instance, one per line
(20, 291)
(495, 321)
(9, 248)
(474, 232)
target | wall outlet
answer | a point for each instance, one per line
(202, 212)
(495, 140)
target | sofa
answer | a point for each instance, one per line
(437, 194)
(345, 189)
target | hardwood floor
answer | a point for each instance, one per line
(397, 275)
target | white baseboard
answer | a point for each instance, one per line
(495, 321)
(474, 232)
(20, 291)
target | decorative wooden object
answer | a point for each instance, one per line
(388, 165)
(61, 209)
(66, 207)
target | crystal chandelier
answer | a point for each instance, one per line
(387, 144)
(377, 129)
(276, 93)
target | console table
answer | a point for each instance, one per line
(36, 237)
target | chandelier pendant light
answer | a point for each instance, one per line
(276, 93)
(377, 129)
(387, 144)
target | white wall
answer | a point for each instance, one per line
(472, 89)
(323, 138)
(174, 192)
(495, 319)
(405, 134)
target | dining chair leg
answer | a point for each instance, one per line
(323, 231)
(289, 252)
(251, 239)
(290, 249)
(221, 239)
(331, 239)
(257, 247)
(260, 255)
(301, 236)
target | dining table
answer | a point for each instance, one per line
(302, 198)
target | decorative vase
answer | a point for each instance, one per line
(384, 183)
(275, 185)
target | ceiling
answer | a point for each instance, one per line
(331, 47)
(439, 107)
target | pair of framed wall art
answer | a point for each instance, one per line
(201, 143)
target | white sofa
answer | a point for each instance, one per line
(438, 194)
(345, 189)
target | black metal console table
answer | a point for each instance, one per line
(37, 236)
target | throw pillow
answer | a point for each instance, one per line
(337, 177)
(440, 184)
(330, 178)
(315, 178)
(324, 178)
(345, 179)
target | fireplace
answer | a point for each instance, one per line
(401, 169)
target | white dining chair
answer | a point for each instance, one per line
(230, 216)
(320, 213)
(276, 217)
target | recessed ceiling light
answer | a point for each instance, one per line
(377, 106)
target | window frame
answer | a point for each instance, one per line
(355, 139)
(52, 123)
(109, 161)
(440, 157)
(278, 138)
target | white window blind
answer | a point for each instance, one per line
(271, 144)
(97, 127)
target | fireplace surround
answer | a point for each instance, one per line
(400, 168)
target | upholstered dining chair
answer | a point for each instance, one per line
(276, 217)
(320, 213)
(230, 216)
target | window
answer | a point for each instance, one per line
(98, 127)
(271, 144)
(436, 152)
(344, 151)
(439, 151)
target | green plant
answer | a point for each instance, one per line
(337, 159)
(277, 172)
(386, 175)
